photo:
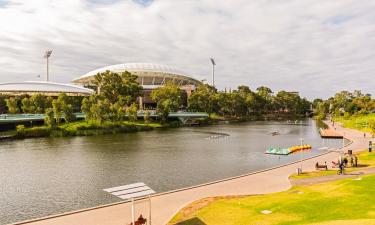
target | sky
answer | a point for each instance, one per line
(315, 47)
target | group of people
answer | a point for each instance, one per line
(344, 161)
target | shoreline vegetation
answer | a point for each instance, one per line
(115, 105)
(90, 128)
(118, 99)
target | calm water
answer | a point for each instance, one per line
(40, 177)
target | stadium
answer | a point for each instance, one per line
(150, 76)
(42, 87)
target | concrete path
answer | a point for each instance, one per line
(164, 206)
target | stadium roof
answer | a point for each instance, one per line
(49, 88)
(144, 67)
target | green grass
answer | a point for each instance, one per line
(350, 201)
(364, 159)
(360, 122)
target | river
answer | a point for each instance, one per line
(44, 176)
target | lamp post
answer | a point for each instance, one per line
(213, 71)
(47, 54)
(301, 139)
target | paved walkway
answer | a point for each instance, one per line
(164, 206)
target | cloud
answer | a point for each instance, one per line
(315, 47)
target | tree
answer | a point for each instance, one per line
(112, 86)
(131, 111)
(3, 105)
(12, 104)
(39, 103)
(27, 106)
(204, 99)
(49, 118)
(146, 117)
(68, 113)
(167, 99)
(86, 107)
(265, 95)
(57, 107)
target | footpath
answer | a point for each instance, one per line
(166, 205)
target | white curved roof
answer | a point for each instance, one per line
(46, 87)
(144, 67)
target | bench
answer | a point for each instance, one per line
(321, 166)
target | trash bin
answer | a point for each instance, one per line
(370, 146)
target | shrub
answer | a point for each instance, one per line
(33, 132)
(146, 117)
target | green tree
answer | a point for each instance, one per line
(68, 113)
(167, 99)
(27, 106)
(204, 99)
(57, 107)
(112, 86)
(39, 103)
(131, 111)
(12, 104)
(146, 117)
(49, 118)
(266, 97)
(87, 103)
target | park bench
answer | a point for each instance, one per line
(321, 166)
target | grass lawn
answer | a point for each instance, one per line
(365, 160)
(357, 122)
(346, 201)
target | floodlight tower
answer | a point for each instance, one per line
(47, 54)
(213, 71)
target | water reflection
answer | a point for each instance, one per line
(45, 176)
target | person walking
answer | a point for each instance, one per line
(341, 167)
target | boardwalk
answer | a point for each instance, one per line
(330, 133)
(164, 206)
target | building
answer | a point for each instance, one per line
(42, 87)
(150, 76)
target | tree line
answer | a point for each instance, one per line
(345, 104)
(117, 95)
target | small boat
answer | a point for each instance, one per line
(299, 148)
(278, 151)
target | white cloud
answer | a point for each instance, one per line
(316, 47)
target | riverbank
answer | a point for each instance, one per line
(85, 128)
(165, 205)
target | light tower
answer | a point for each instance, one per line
(47, 54)
(213, 71)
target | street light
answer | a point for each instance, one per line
(301, 139)
(47, 54)
(213, 71)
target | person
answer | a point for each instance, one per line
(364, 135)
(355, 161)
(352, 161)
(341, 166)
(345, 161)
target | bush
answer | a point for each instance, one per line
(146, 117)
(33, 132)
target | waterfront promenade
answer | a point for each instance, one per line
(164, 206)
